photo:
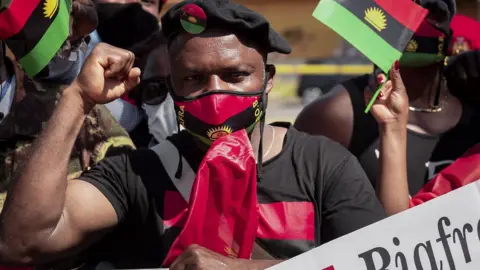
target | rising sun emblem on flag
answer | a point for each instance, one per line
(192, 19)
(215, 133)
(376, 18)
(49, 8)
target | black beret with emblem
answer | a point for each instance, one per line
(194, 16)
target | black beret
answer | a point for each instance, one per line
(441, 12)
(223, 14)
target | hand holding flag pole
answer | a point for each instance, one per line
(375, 96)
(389, 103)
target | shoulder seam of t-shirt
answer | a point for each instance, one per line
(170, 158)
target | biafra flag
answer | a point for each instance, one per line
(380, 29)
(35, 30)
(193, 19)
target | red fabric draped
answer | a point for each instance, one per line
(463, 171)
(223, 207)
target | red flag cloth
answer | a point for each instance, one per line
(223, 206)
(14, 18)
(463, 171)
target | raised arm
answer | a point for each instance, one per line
(391, 113)
(45, 216)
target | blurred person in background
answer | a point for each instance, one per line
(152, 93)
(124, 23)
(463, 76)
(127, 24)
(463, 69)
(26, 103)
(440, 128)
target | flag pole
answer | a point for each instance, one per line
(370, 104)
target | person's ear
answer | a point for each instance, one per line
(271, 71)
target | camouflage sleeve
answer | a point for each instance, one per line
(100, 136)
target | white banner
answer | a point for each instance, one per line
(443, 234)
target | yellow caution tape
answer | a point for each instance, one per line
(324, 69)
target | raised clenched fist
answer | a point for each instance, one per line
(107, 74)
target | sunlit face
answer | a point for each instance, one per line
(150, 6)
(215, 61)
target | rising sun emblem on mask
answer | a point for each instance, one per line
(215, 133)
(412, 46)
(376, 18)
(49, 8)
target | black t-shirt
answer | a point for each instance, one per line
(312, 172)
(426, 155)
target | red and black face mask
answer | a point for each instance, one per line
(218, 113)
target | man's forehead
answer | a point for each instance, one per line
(216, 41)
